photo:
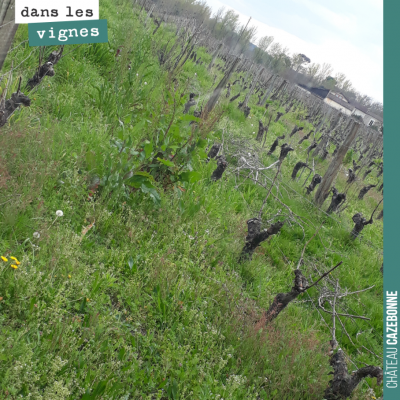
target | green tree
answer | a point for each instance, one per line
(262, 46)
(298, 60)
(329, 83)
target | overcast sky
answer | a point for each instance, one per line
(348, 34)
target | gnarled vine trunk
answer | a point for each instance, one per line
(343, 384)
(255, 236)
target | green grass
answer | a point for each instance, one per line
(151, 303)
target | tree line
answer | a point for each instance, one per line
(225, 26)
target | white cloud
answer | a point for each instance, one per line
(364, 69)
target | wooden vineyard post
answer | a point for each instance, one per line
(330, 175)
(217, 91)
(7, 28)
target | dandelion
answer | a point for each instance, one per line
(36, 235)
(14, 266)
(59, 213)
(145, 83)
(4, 259)
(87, 299)
(69, 276)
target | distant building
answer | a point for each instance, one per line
(340, 102)
(319, 92)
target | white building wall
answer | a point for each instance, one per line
(360, 113)
(337, 106)
(366, 118)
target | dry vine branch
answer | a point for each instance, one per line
(270, 189)
(304, 248)
(281, 300)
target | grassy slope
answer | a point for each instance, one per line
(151, 302)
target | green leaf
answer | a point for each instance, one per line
(133, 152)
(139, 126)
(190, 176)
(148, 149)
(121, 354)
(136, 181)
(144, 173)
(202, 153)
(151, 190)
(100, 389)
(188, 117)
(202, 143)
(166, 162)
(91, 160)
(130, 262)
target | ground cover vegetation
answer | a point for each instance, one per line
(156, 237)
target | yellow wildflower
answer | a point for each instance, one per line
(87, 299)
(17, 262)
(4, 259)
(69, 276)
(14, 266)
(13, 258)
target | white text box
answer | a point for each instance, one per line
(31, 11)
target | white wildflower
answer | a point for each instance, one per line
(59, 213)
(36, 235)
(145, 83)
